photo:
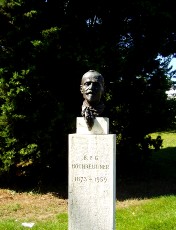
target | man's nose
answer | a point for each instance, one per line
(92, 85)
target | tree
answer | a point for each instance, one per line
(46, 47)
(31, 127)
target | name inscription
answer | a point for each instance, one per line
(89, 166)
(90, 163)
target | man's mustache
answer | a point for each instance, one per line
(90, 92)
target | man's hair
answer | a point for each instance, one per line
(93, 73)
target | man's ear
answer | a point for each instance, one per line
(81, 89)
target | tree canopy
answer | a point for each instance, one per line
(45, 48)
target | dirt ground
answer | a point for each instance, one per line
(34, 206)
(30, 205)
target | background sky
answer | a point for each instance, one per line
(173, 63)
(172, 92)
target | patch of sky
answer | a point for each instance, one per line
(170, 63)
(173, 67)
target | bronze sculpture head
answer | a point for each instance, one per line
(92, 88)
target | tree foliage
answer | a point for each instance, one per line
(45, 48)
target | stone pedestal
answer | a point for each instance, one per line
(92, 177)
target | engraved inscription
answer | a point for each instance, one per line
(86, 158)
(89, 166)
(82, 179)
(90, 162)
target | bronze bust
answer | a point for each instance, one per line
(92, 88)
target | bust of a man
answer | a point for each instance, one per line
(92, 88)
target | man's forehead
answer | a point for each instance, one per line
(92, 76)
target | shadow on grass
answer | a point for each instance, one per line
(58, 187)
(40, 181)
(152, 178)
(157, 177)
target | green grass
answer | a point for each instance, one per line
(158, 213)
(169, 139)
(61, 223)
(164, 160)
(158, 187)
(154, 214)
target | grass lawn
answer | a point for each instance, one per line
(156, 213)
(144, 202)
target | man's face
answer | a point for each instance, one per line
(92, 87)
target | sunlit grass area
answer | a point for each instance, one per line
(151, 214)
(155, 214)
(169, 138)
(164, 160)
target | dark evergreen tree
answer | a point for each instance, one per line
(46, 47)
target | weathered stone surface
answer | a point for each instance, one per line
(101, 126)
(92, 176)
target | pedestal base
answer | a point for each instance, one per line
(92, 173)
